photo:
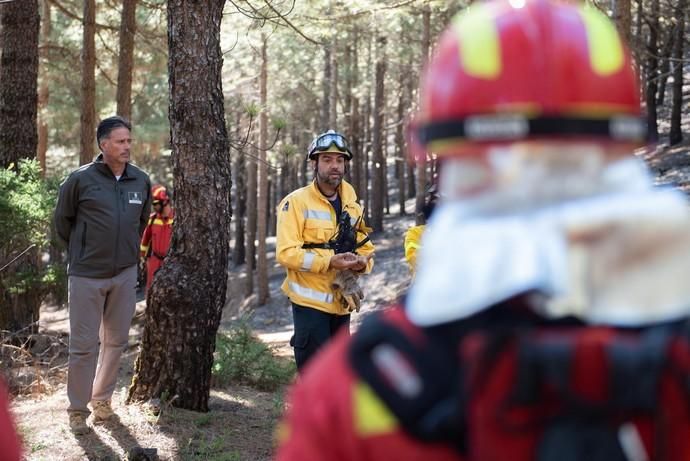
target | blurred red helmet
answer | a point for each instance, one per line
(515, 70)
(159, 194)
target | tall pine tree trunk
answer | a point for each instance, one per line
(43, 90)
(378, 161)
(400, 141)
(187, 298)
(665, 68)
(411, 168)
(354, 122)
(676, 133)
(652, 74)
(262, 209)
(125, 65)
(333, 105)
(251, 220)
(238, 252)
(422, 164)
(624, 19)
(347, 103)
(88, 84)
(366, 134)
(326, 107)
(19, 31)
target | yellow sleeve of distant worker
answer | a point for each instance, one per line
(413, 238)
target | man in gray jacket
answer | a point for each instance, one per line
(101, 212)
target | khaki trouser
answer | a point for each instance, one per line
(101, 312)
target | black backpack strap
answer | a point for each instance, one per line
(541, 363)
(417, 380)
(640, 363)
(324, 246)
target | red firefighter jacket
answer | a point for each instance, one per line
(155, 243)
(10, 449)
(335, 416)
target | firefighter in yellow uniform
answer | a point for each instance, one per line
(323, 244)
(412, 244)
(413, 236)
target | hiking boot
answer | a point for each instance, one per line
(77, 423)
(102, 411)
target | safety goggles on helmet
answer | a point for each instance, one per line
(324, 141)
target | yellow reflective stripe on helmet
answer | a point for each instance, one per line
(370, 414)
(605, 47)
(480, 48)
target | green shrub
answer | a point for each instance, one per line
(26, 205)
(242, 358)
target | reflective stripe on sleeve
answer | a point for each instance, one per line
(310, 293)
(308, 261)
(317, 214)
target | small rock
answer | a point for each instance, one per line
(142, 454)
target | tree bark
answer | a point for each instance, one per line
(262, 209)
(652, 71)
(327, 72)
(251, 220)
(333, 104)
(187, 297)
(88, 84)
(665, 68)
(43, 90)
(347, 97)
(379, 165)
(366, 135)
(238, 253)
(125, 66)
(400, 140)
(676, 133)
(19, 31)
(421, 165)
(354, 122)
(624, 19)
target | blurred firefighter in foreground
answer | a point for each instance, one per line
(323, 244)
(155, 241)
(548, 316)
(10, 444)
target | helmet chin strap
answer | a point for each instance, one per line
(335, 192)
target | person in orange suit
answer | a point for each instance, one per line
(156, 239)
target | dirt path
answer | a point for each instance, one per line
(241, 420)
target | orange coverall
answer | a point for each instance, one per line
(155, 243)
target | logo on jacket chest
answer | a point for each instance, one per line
(135, 198)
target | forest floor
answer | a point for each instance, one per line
(241, 421)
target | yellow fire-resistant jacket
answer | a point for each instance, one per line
(413, 238)
(306, 216)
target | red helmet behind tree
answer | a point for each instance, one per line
(515, 70)
(159, 194)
